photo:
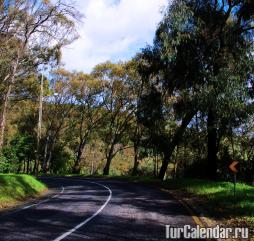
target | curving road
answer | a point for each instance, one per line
(96, 210)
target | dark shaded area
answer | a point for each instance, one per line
(135, 212)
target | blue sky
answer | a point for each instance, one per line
(112, 30)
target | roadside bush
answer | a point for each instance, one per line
(8, 160)
(62, 160)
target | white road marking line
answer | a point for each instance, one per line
(43, 201)
(35, 204)
(90, 218)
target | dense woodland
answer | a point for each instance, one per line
(182, 107)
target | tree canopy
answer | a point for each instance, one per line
(183, 102)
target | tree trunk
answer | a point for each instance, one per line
(39, 127)
(24, 166)
(175, 164)
(135, 166)
(28, 166)
(44, 164)
(157, 164)
(108, 162)
(19, 167)
(175, 141)
(136, 143)
(107, 166)
(164, 165)
(212, 145)
(92, 166)
(49, 159)
(4, 114)
(109, 157)
(48, 156)
(6, 99)
(136, 162)
(154, 163)
(76, 168)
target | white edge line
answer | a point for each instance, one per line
(43, 201)
(88, 219)
(36, 204)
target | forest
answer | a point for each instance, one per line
(181, 107)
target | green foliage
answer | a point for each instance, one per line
(219, 196)
(62, 160)
(15, 188)
(9, 160)
(157, 105)
(19, 150)
(23, 146)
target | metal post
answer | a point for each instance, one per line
(234, 190)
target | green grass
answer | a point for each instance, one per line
(219, 196)
(15, 188)
(216, 197)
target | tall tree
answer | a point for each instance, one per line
(199, 46)
(58, 107)
(33, 25)
(88, 114)
(119, 108)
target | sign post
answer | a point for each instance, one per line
(232, 167)
(235, 186)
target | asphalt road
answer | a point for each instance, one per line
(96, 210)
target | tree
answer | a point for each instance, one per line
(136, 88)
(33, 26)
(199, 47)
(225, 34)
(119, 108)
(88, 113)
(58, 106)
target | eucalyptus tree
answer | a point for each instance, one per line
(135, 130)
(32, 26)
(57, 111)
(225, 30)
(119, 109)
(88, 113)
(201, 48)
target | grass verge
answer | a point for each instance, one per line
(17, 188)
(216, 197)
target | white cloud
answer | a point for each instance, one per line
(112, 30)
